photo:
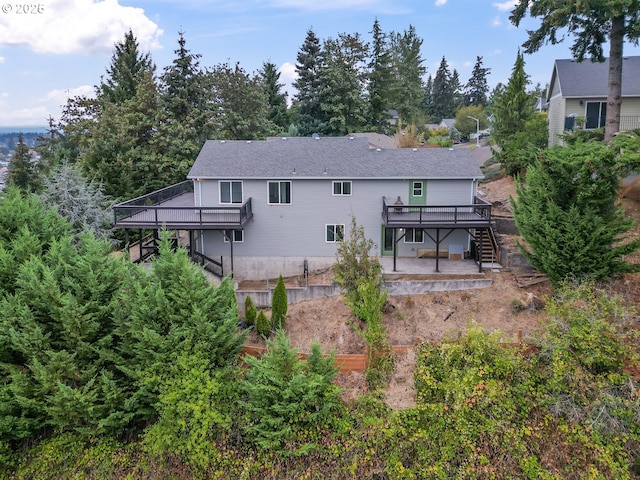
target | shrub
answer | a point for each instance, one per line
(250, 311)
(263, 325)
(279, 305)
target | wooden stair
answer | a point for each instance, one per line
(490, 248)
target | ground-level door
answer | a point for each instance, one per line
(387, 242)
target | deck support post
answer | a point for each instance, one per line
(437, 250)
(140, 243)
(395, 248)
(480, 251)
(231, 250)
(191, 246)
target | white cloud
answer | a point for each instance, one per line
(439, 3)
(36, 116)
(2, 59)
(60, 97)
(78, 26)
(288, 72)
(496, 22)
(330, 4)
(506, 6)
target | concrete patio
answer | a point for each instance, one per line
(427, 266)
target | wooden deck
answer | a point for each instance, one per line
(477, 215)
(179, 213)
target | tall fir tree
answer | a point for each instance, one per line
(127, 69)
(276, 97)
(456, 91)
(380, 83)
(24, 172)
(442, 95)
(185, 113)
(409, 70)
(241, 106)
(309, 61)
(513, 107)
(477, 88)
(342, 80)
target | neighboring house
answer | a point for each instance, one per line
(275, 206)
(377, 140)
(577, 96)
(447, 123)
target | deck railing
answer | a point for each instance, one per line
(479, 212)
(151, 210)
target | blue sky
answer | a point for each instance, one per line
(63, 49)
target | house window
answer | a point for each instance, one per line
(230, 192)
(238, 236)
(414, 235)
(417, 189)
(596, 113)
(342, 188)
(279, 192)
(334, 233)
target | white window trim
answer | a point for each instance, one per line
(279, 192)
(413, 188)
(341, 182)
(231, 182)
(413, 241)
(334, 225)
(226, 240)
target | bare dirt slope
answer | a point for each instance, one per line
(434, 316)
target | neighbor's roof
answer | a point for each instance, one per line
(328, 157)
(590, 79)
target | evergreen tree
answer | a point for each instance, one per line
(380, 83)
(566, 211)
(309, 61)
(121, 154)
(427, 100)
(408, 68)
(342, 80)
(240, 104)
(513, 107)
(128, 68)
(24, 172)
(276, 99)
(279, 305)
(456, 91)
(186, 113)
(263, 325)
(477, 88)
(442, 94)
(78, 199)
(249, 311)
(288, 399)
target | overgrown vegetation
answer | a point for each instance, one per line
(566, 210)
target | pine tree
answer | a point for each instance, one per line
(513, 107)
(407, 61)
(342, 80)
(477, 88)
(309, 61)
(279, 305)
(276, 99)
(241, 107)
(128, 68)
(381, 80)
(23, 170)
(442, 95)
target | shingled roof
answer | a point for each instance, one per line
(328, 157)
(590, 79)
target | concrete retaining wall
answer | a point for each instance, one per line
(262, 298)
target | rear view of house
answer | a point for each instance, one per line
(278, 206)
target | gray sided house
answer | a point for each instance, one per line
(577, 96)
(264, 208)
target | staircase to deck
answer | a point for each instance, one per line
(490, 247)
